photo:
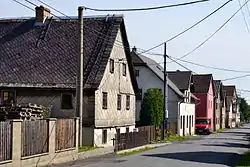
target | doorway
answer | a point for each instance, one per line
(184, 127)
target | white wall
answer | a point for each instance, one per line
(110, 135)
(146, 80)
(115, 83)
(187, 109)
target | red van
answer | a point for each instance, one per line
(203, 126)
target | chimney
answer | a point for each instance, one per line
(134, 49)
(42, 13)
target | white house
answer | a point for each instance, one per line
(232, 106)
(149, 74)
(39, 65)
(182, 79)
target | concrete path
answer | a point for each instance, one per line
(218, 150)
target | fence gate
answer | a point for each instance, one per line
(5, 141)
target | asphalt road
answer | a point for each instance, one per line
(218, 150)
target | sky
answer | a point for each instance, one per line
(229, 48)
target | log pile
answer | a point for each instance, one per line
(21, 111)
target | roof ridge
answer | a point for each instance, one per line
(63, 17)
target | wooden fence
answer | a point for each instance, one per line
(35, 137)
(5, 141)
(151, 130)
(65, 134)
(130, 140)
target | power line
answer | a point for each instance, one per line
(244, 17)
(233, 78)
(189, 28)
(247, 9)
(243, 90)
(54, 9)
(24, 5)
(201, 65)
(37, 6)
(207, 39)
(215, 68)
(144, 9)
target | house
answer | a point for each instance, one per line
(38, 64)
(217, 104)
(150, 74)
(223, 115)
(182, 79)
(203, 88)
(232, 105)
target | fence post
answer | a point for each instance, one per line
(16, 142)
(52, 136)
(77, 133)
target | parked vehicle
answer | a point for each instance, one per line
(203, 126)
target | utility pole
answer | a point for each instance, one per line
(164, 91)
(79, 83)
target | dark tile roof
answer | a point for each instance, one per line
(180, 78)
(155, 68)
(29, 58)
(230, 89)
(137, 61)
(201, 82)
(217, 87)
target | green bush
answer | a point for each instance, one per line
(152, 108)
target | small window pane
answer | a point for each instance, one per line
(137, 73)
(127, 102)
(67, 102)
(104, 100)
(119, 102)
(124, 70)
(112, 66)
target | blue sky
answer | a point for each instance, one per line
(229, 48)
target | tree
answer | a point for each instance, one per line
(152, 107)
(244, 109)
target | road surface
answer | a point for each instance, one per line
(215, 150)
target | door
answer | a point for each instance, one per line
(184, 127)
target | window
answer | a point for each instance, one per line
(187, 121)
(137, 73)
(127, 130)
(66, 101)
(181, 122)
(112, 65)
(104, 100)
(139, 94)
(192, 121)
(104, 136)
(127, 102)
(124, 70)
(119, 102)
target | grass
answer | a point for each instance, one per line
(136, 151)
(245, 161)
(87, 148)
(173, 138)
(219, 130)
(176, 138)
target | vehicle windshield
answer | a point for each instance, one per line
(201, 121)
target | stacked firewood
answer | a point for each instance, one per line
(21, 111)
